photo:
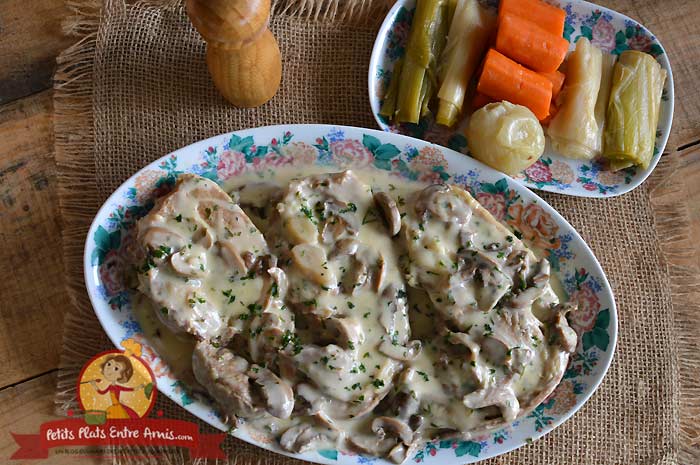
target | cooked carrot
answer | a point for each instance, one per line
(504, 79)
(552, 111)
(557, 79)
(546, 16)
(481, 100)
(530, 45)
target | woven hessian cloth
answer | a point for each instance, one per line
(136, 87)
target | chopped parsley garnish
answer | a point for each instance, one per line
(161, 251)
(377, 383)
(164, 310)
(274, 290)
(178, 218)
(350, 208)
(147, 265)
(229, 293)
(366, 315)
(424, 375)
(307, 213)
(195, 299)
(351, 305)
(487, 330)
(255, 309)
(290, 338)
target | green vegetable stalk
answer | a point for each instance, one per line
(418, 74)
(633, 110)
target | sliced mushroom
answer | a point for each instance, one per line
(266, 333)
(401, 452)
(502, 396)
(495, 284)
(399, 352)
(338, 228)
(274, 289)
(325, 421)
(403, 402)
(203, 237)
(370, 445)
(529, 295)
(313, 397)
(346, 246)
(356, 277)
(347, 332)
(190, 262)
(277, 393)
(392, 427)
(390, 212)
(562, 333)
(312, 261)
(380, 275)
(223, 374)
(303, 437)
(160, 238)
(232, 257)
(445, 203)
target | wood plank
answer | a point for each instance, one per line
(23, 408)
(33, 297)
(689, 174)
(31, 40)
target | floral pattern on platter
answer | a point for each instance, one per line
(608, 30)
(113, 246)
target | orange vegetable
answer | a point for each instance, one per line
(557, 78)
(504, 79)
(480, 100)
(529, 44)
(546, 16)
(552, 111)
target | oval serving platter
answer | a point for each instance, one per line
(607, 29)
(110, 247)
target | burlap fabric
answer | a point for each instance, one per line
(135, 87)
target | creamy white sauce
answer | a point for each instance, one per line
(475, 369)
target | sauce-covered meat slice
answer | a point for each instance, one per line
(503, 330)
(198, 245)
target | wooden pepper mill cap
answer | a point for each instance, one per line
(243, 57)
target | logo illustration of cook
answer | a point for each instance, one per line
(116, 385)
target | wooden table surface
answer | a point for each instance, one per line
(33, 299)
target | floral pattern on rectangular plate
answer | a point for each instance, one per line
(606, 29)
(111, 247)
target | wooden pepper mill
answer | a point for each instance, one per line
(242, 54)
